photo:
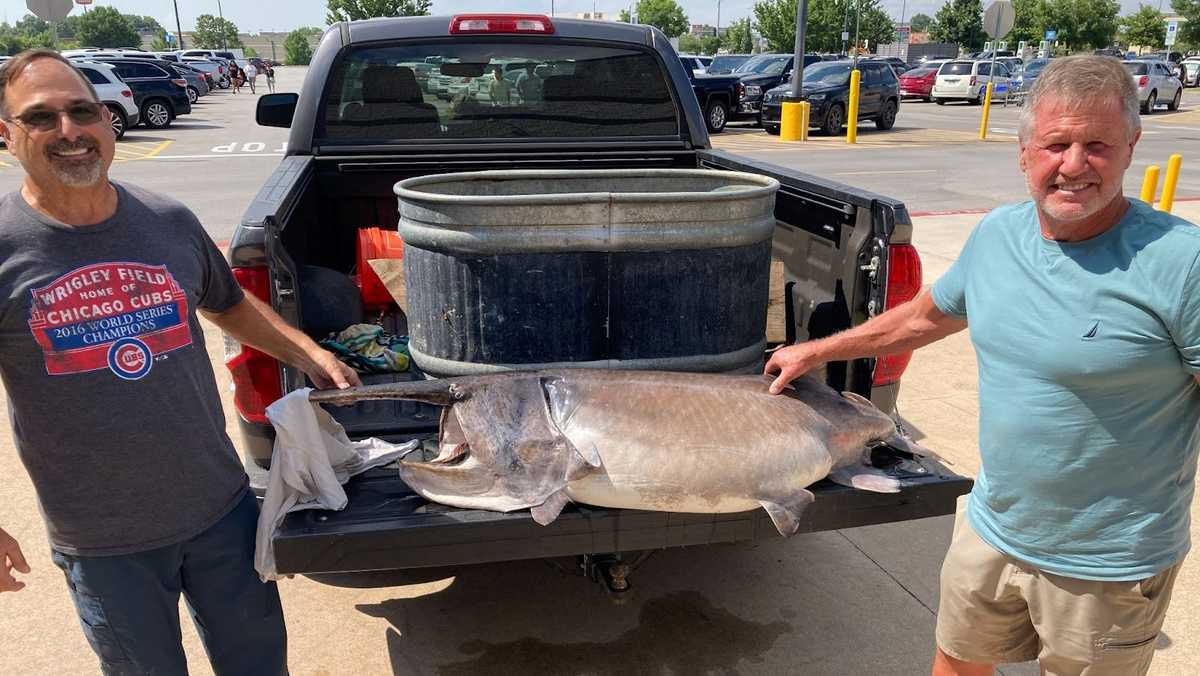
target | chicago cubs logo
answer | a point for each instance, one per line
(117, 316)
(129, 358)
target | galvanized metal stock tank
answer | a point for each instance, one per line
(646, 269)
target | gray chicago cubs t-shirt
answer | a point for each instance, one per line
(113, 402)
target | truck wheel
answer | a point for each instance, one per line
(118, 121)
(834, 120)
(156, 114)
(887, 117)
(716, 114)
(771, 129)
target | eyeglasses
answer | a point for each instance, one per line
(46, 119)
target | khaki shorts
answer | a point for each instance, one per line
(996, 609)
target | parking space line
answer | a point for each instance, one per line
(886, 171)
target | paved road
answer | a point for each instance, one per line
(850, 602)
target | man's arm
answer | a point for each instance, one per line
(914, 324)
(254, 323)
(10, 558)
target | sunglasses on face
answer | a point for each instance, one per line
(46, 119)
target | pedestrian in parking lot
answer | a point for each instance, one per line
(1085, 320)
(251, 74)
(114, 407)
(270, 77)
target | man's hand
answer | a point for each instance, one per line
(11, 558)
(790, 363)
(328, 372)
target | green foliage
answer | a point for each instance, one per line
(159, 44)
(1034, 18)
(213, 32)
(298, 51)
(106, 27)
(689, 44)
(738, 39)
(1085, 24)
(1189, 32)
(250, 52)
(145, 24)
(666, 15)
(624, 17)
(357, 10)
(777, 23)
(960, 22)
(920, 22)
(1145, 28)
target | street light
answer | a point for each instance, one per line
(222, 15)
(178, 27)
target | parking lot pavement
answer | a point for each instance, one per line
(858, 601)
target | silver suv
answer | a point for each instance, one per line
(1155, 82)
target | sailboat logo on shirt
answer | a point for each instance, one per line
(109, 315)
(1091, 332)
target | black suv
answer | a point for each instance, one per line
(160, 92)
(760, 73)
(826, 87)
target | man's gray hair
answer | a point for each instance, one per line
(1081, 82)
(15, 67)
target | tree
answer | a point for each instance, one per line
(1145, 28)
(666, 15)
(357, 10)
(1189, 32)
(213, 32)
(250, 52)
(298, 51)
(159, 44)
(1034, 18)
(919, 23)
(689, 44)
(738, 39)
(959, 22)
(1083, 24)
(776, 20)
(142, 24)
(106, 27)
(624, 17)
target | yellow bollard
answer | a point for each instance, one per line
(1168, 196)
(791, 121)
(987, 110)
(805, 119)
(852, 113)
(1150, 184)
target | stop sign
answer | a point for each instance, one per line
(50, 10)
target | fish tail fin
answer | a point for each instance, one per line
(786, 513)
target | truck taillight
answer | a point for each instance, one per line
(903, 285)
(501, 23)
(255, 374)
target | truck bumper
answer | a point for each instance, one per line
(387, 526)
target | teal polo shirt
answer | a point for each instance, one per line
(1089, 412)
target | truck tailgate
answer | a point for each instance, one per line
(387, 526)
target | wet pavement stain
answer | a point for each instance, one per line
(704, 639)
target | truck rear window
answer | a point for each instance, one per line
(465, 90)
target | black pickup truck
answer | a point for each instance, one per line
(362, 123)
(717, 96)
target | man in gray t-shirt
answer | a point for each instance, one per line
(114, 408)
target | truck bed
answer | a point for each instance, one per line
(387, 526)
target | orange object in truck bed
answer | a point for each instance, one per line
(376, 243)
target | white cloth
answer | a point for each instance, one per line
(312, 458)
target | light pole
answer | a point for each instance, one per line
(222, 15)
(178, 28)
(845, 27)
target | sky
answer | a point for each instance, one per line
(285, 15)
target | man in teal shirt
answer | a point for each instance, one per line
(1085, 318)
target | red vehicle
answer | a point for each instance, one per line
(918, 83)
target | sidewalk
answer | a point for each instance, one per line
(939, 397)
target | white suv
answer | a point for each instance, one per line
(967, 80)
(113, 92)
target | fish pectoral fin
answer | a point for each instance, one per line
(865, 478)
(583, 464)
(545, 513)
(786, 513)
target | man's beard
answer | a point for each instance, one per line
(76, 173)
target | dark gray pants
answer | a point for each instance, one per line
(129, 605)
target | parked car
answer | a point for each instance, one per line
(160, 93)
(918, 83)
(218, 72)
(1155, 82)
(696, 64)
(197, 86)
(760, 73)
(723, 64)
(898, 65)
(1015, 64)
(967, 80)
(826, 87)
(716, 95)
(113, 93)
(1022, 82)
(1190, 68)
